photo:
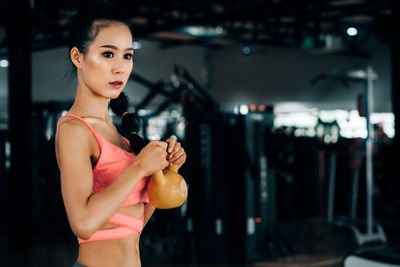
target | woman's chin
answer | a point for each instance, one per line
(114, 96)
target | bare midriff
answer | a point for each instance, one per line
(113, 253)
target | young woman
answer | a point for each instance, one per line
(103, 182)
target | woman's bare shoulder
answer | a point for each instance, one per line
(71, 128)
(73, 135)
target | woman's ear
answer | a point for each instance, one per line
(76, 57)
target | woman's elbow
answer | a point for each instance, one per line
(82, 230)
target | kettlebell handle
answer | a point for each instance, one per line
(172, 168)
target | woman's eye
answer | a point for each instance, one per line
(128, 56)
(108, 54)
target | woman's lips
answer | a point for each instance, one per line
(116, 84)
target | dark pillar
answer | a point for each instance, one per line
(395, 47)
(19, 55)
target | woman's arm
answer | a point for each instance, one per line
(87, 212)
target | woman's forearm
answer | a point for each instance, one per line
(101, 206)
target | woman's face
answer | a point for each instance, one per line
(108, 62)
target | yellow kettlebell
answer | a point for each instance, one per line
(167, 189)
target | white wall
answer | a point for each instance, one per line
(271, 75)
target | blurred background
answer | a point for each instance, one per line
(288, 111)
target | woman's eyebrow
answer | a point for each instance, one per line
(116, 48)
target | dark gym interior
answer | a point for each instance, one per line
(289, 112)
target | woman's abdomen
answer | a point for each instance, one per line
(116, 252)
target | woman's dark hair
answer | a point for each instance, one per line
(130, 124)
(83, 29)
(92, 17)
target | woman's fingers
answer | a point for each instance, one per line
(177, 149)
(164, 145)
(179, 161)
(171, 144)
(175, 155)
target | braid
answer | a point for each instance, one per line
(131, 122)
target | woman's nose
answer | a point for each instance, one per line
(118, 67)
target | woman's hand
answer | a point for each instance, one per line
(176, 154)
(152, 158)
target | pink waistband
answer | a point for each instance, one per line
(128, 226)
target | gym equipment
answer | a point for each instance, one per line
(173, 90)
(263, 238)
(231, 214)
(167, 189)
(4, 169)
(205, 99)
(375, 258)
(374, 232)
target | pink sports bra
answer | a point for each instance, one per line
(111, 163)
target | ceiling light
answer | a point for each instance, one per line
(204, 31)
(4, 63)
(244, 109)
(246, 50)
(351, 31)
(137, 45)
(219, 30)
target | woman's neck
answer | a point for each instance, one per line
(88, 104)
